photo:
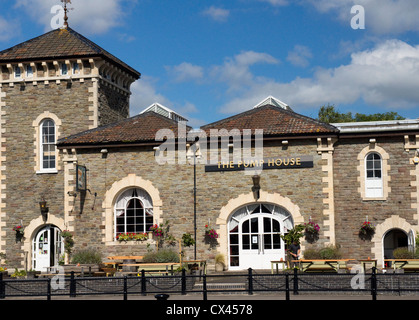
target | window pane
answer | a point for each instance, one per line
(254, 225)
(267, 238)
(245, 227)
(266, 224)
(245, 242)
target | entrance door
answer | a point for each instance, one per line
(255, 236)
(47, 248)
(260, 242)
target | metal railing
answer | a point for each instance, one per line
(248, 283)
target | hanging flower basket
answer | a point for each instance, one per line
(157, 231)
(211, 236)
(20, 231)
(311, 231)
(367, 230)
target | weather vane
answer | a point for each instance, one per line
(65, 12)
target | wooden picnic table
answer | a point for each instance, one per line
(365, 262)
(322, 264)
(153, 267)
(404, 264)
(278, 262)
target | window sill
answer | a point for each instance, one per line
(374, 199)
(54, 171)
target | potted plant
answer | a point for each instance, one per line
(187, 240)
(68, 241)
(132, 237)
(219, 262)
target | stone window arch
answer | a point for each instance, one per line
(122, 191)
(374, 173)
(47, 131)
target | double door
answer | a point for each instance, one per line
(47, 248)
(260, 241)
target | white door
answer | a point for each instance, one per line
(47, 248)
(260, 242)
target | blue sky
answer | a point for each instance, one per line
(211, 59)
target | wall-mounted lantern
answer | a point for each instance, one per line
(256, 186)
(44, 208)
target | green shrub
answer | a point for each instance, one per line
(87, 256)
(405, 253)
(326, 253)
(161, 256)
(330, 252)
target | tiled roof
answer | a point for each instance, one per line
(62, 43)
(138, 129)
(274, 121)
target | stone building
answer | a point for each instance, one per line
(66, 139)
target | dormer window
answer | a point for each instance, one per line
(18, 73)
(76, 68)
(29, 72)
(64, 69)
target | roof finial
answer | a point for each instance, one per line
(65, 12)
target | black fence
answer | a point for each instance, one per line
(252, 282)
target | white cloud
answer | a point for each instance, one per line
(144, 94)
(386, 76)
(185, 72)
(8, 29)
(217, 14)
(300, 56)
(88, 17)
(236, 71)
(276, 3)
(381, 16)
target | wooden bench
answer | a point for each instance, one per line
(407, 265)
(319, 265)
(78, 269)
(153, 268)
(276, 263)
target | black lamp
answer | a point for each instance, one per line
(43, 207)
(256, 185)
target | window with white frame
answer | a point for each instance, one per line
(76, 68)
(133, 212)
(48, 145)
(373, 175)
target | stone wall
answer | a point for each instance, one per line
(24, 187)
(351, 210)
(174, 182)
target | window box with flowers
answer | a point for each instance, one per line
(124, 237)
(311, 231)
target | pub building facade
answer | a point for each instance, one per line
(68, 144)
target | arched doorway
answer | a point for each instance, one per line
(47, 248)
(393, 239)
(255, 235)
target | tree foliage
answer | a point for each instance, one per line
(329, 114)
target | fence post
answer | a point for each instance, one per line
(250, 281)
(72, 285)
(143, 283)
(287, 286)
(2, 287)
(183, 281)
(374, 284)
(204, 286)
(125, 288)
(295, 281)
(49, 289)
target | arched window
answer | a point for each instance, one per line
(48, 145)
(373, 175)
(133, 212)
